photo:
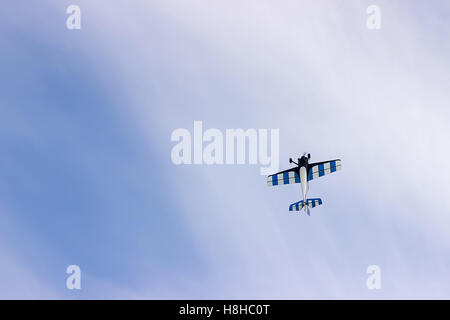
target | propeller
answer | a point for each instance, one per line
(306, 154)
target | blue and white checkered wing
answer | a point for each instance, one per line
(311, 203)
(286, 177)
(297, 206)
(323, 168)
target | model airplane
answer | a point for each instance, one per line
(303, 173)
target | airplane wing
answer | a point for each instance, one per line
(288, 176)
(320, 169)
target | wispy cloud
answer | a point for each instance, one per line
(333, 88)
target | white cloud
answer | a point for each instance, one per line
(334, 88)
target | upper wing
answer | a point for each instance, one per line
(319, 169)
(288, 176)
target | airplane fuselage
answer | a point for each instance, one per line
(304, 179)
(303, 173)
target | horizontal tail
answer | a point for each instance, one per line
(309, 203)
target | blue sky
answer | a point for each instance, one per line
(85, 171)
